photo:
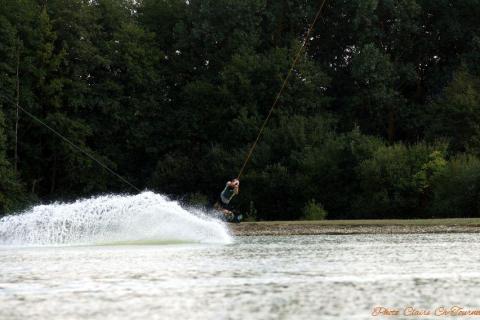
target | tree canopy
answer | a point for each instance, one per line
(380, 118)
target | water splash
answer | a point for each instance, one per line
(142, 218)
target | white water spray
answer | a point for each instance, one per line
(142, 218)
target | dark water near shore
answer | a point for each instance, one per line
(292, 277)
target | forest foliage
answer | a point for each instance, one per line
(381, 118)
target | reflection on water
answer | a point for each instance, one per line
(297, 277)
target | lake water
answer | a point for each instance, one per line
(294, 277)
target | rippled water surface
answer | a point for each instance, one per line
(295, 277)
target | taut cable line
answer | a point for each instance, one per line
(104, 166)
(282, 88)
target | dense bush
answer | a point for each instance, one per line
(456, 188)
(314, 211)
(394, 180)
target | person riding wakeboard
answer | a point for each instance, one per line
(232, 188)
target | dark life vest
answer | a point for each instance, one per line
(227, 194)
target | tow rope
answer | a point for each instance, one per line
(275, 102)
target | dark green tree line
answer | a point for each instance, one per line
(380, 117)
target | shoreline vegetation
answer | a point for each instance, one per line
(374, 226)
(381, 114)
